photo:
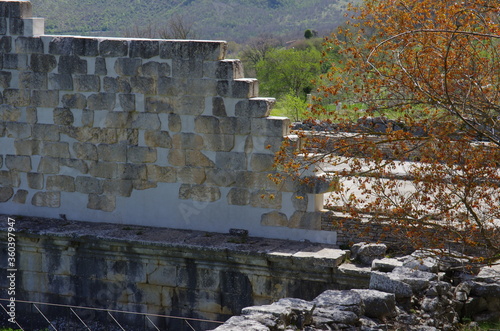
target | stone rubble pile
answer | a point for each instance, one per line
(415, 292)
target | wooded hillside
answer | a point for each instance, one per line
(232, 20)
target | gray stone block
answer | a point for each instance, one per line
(231, 160)
(383, 282)
(127, 102)
(27, 147)
(265, 199)
(174, 123)
(186, 49)
(274, 218)
(170, 86)
(18, 162)
(158, 104)
(17, 98)
(9, 178)
(86, 46)
(5, 44)
(262, 162)
(158, 139)
(157, 173)
(76, 164)
(101, 202)
(137, 154)
(189, 105)
(9, 113)
(255, 107)
(127, 66)
(145, 49)
(220, 177)
(56, 149)
(112, 153)
(229, 70)
(155, 69)
(87, 118)
(145, 121)
(47, 199)
(107, 170)
(5, 79)
(271, 126)
(113, 48)
(187, 141)
(218, 142)
(199, 193)
(218, 107)
(35, 180)
(198, 159)
(45, 98)
(3, 26)
(45, 132)
(63, 116)
(100, 66)
(144, 85)
(207, 124)
(238, 197)
(16, 9)
(43, 62)
(88, 185)
(72, 64)
(61, 82)
(191, 175)
(16, 26)
(118, 187)
(61, 46)
(134, 171)
(101, 101)
(77, 100)
(240, 88)
(60, 183)
(17, 130)
(87, 83)
(15, 61)
(20, 196)
(28, 45)
(117, 119)
(48, 165)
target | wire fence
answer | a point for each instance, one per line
(77, 314)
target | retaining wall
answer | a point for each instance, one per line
(163, 133)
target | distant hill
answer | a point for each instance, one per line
(232, 20)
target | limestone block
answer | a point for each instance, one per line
(5, 78)
(191, 175)
(85, 151)
(187, 141)
(274, 218)
(62, 82)
(229, 70)
(231, 160)
(238, 196)
(170, 86)
(31, 115)
(48, 165)
(61, 46)
(127, 102)
(107, 170)
(63, 116)
(134, 171)
(117, 85)
(16, 9)
(218, 107)
(235, 125)
(84, 46)
(101, 101)
(255, 107)
(113, 48)
(33, 80)
(17, 98)
(77, 164)
(15, 61)
(43, 62)
(144, 85)
(55, 149)
(300, 201)
(28, 45)
(266, 199)
(47, 199)
(271, 126)
(262, 162)
(27, 147)
(45, 132)
(45, 98)
(16, 26)
(18, 162)
(238, 88)
(60, 183)
(202, 87)
(118, 187)
(9, 113)
(218, 142)
(35, 180)
(187, 68)
(157, 173)
(137, 154)
(127, 66)
(207, 124)
(9, 178)
(145, 121)
(155, 69)
(177, 157)
(145, 49)
(199, 193)
(128, 136)
(117, 119)
(186, 49)
(158, 139)
(164, 275)
(220, 177)
(101, 202)
(174, 123)
(112, 152)
(100, 66)
(87, 83)
(306, 220)
(158, 104)
(76, 100)
(72, 64)
(143, 184)
(88, 185)
(189, 105)
(3, 25)
(196, 158)
(6, 193)
(20, 196)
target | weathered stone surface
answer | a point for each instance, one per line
(87, 83)
(100, 66)
(101, 101)
(48, 165)
(101, 202)
(6, 193)
(187, 141)
(20, 196)
(199, 193)
(189, 105)
(229, 69)
(88, 185)
(61, 183)
(134, 171)
(161, 174)
(137, 154)
(45, 98)
(378, 304)
(27, 147)
(84, 46)
(127, 102)
(238, 196)
(158, 139)
(266, 199)
(218, 107)
(262, 162)
(5, 78)
(117, 187)
(77, 100)
(61, 82)
(35, 180)
(155, 69)
(342, 300)
(231, 160)
(207, 124)
(105, 170)
(72, 64)
(113, 48)
(191, 175)
(386, 264)
(274, 218)
(145, 121)
(17, 98)
(47, 199)
(158, 104)
(218, 142)
(45, 132)
(383, 282)
(63, 116)
(112, 152)
(220, 177)
(43, 62)
(28, 45)
(18, 162)
(239, 88)
(9, 178)
(33, 80)
(85, 151)
(9, 113)
(271, 126)
(255, 107)
(366, 253)
(144, 85)
(127, 66)
(196, 158)
(306, 220)
(56, 149)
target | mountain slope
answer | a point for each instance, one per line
(236, 20)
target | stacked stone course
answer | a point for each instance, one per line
(97, 121)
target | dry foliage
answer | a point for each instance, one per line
(432, 175)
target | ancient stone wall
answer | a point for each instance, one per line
(139, 131)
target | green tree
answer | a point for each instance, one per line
(288, 70)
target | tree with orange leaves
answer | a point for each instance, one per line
(422, 79)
